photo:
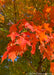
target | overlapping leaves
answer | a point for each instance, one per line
(20, 39)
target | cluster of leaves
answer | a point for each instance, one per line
(28, 33)
(24, 34)
(2, 2)
(1, 18)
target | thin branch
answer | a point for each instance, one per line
(40, 64)
(30, 64)
(15, 11)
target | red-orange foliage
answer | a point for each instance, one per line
(2, 2)
(42, 33)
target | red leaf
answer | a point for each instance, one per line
(22, 42)
(52, 67)
(27, 25)
(33, 49)
(12, 55)
(13, 35)
(4, 56)
(13, 28)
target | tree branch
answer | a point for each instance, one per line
(15, 19)
(30, 64)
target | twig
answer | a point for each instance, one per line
(15, 11)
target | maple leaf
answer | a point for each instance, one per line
(4, 56)
(22, 42)
(13, 35)
(10, 44)
(33, 49)
(48, 9)
(41, 47)
(13, 28)
(12, 55)
(47, 52)
(46, 26)
(41, 36)
(52, 57)
(52, 67)
(27, 25)
(26, 34)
